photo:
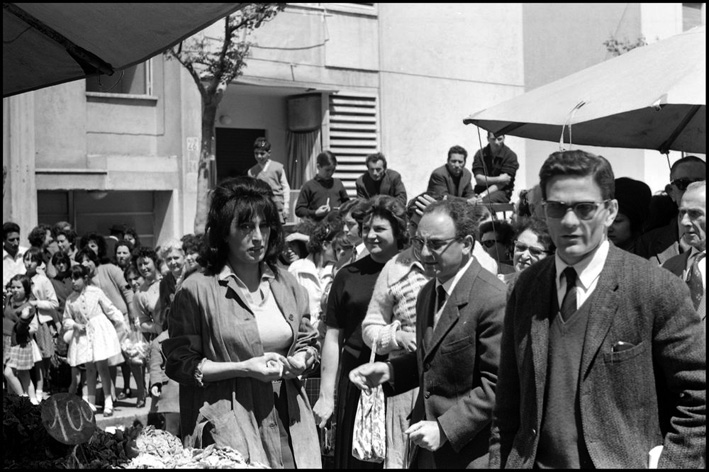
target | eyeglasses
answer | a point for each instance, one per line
(584, 210)
(433, 245)
(489, 243)
(682, 184)
(533, 251)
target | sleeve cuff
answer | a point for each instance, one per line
(387, 342)
(198, 374)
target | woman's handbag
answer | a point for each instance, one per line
(369, 437)
(134, 346)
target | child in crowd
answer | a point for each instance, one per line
(274, 174)
(94, 341)
(44, 300)
(24, 352)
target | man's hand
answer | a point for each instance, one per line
(422, 201)
(427, 434)
(368, 376)
(323, 210)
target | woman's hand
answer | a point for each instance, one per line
(297, 364)
(267, 367)
(323, 410)
(406, 340)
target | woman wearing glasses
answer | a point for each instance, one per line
(531, 244)
(383, 228)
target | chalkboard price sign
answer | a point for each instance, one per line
(68, 418)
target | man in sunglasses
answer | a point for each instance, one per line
(603, 358)
(458, 326)
(665, 242)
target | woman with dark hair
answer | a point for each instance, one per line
(532, 243)
(123, 254)
(316, 270)
(240, 335)
(634, 198)
(146, 260)
(131, 235)
(97, 244)
(383, 228)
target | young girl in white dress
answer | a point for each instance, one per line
(24, 352)
(89, 313)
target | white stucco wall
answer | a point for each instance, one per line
(440, 63)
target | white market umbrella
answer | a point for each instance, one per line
(653, 97)
(51, 43)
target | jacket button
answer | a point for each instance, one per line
(427, 395)
(427, 366)
(290, 317)
(534, 432)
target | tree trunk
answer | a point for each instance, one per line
(206, 158)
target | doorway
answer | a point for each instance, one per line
(235, 151)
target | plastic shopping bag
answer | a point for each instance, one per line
(369, 438)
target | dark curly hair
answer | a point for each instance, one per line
(100, 242)
(538, 227)
(389, 208)
(238, 200)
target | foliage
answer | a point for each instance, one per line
(214, 63)
(616, 47)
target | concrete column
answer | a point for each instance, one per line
(20, 191)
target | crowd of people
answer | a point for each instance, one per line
(569, 334)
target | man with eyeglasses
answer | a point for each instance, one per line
(665, 242)
(458, 326)
(603, 360)
(691, 265)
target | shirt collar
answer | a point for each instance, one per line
(450, 284)
(227, 272)
(588, 269)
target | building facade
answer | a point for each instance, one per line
(354, 78)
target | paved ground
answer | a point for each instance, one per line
(124, 411)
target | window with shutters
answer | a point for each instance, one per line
(354, 134)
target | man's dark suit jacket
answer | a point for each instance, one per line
(630, 401)
(677, 265)
(391, 184)
(659, 244)
(441, 183)
(457, 365)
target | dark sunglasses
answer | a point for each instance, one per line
(584, 210)
(682, 184)
(489, 243)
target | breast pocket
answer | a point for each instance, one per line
(457, 345)
(622, 356)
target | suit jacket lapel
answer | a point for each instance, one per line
(541, 313)
(603, 309)
(451, 311)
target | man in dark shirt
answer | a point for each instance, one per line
(322, 193)
(453, 178)
(494, 170)
(379, 180)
